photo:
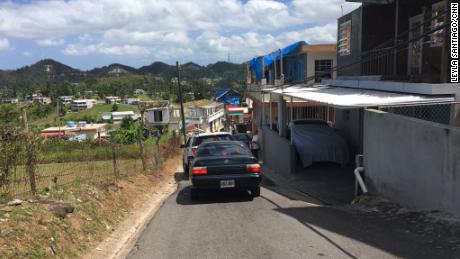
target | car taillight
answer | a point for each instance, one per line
(199, 170)
(194, 149)
(253, 168)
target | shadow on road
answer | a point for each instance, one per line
(402, 237)
(211, 196)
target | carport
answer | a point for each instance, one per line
(325, 181)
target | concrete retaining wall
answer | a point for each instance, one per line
(411, 161)
(277, 152)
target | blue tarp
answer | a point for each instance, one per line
(223, 97)
(255, 64)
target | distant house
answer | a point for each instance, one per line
(66, 99)
(80, 131)
(119, 116)
(164, 115)
(132, 101)
(10, 100)
(206, 115)
(82, 104)
(41, 100)
(112, 99)
(139, 91)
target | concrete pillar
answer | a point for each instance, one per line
(271, 112)
(455, 114)
(263, 109)
(282, 116)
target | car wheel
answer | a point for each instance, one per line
(186, 168)
(194, 193)
(255, 192)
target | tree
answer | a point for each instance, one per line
(9, 115)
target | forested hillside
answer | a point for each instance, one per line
(52, 78)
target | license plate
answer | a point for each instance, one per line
(227, 183)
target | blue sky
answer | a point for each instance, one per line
(93, 33)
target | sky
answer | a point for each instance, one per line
(93, 33)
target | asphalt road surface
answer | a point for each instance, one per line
(233, 225)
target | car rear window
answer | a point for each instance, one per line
(223, 149)
(198, 140)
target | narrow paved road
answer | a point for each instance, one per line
(233, 225)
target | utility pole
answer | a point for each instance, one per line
(184, 130)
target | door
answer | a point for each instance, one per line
(415, 47)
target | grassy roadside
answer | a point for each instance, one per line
(31, 230)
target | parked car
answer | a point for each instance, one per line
(225, 165)
(317, 141)
(195, 140)
(243, 137)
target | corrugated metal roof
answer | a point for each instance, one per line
(340, 97)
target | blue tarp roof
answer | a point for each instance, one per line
(255, 64)
(220, 96)
(223, 92)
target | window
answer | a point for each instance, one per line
(323, 69)
(158, 116)
(344, 44)
(437, 37)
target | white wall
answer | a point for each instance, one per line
(412, 161)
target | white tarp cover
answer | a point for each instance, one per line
(342, 97)
(319, 143)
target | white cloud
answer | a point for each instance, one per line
(4, 44)
(27, 54)
(167, 30)
(119, 50)
(50, 42)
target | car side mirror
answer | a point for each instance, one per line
(182, 146)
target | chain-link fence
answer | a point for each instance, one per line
(440, 113)
(30, 164)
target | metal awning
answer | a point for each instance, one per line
(346, 98)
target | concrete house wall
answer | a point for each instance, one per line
(278, 153)
(411, 161)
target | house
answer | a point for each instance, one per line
(10, 100)
(131, 101)
(231, 99)
(41, 100)
(119, 116)
(79, 131)
(112, 99)
(164, 115)
(298, 62)
(414, 50)
(82, 104)
(392, 101)
(66, 99)
(139, 91)
(207, 115)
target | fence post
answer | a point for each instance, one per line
(141, 149)
(30, 153)
(114, 160)
(157, 154)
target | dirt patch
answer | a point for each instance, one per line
(31, 230)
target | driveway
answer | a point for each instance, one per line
(233, 225)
